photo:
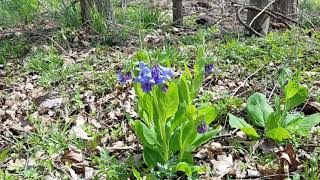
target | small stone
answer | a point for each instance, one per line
(241, 135)
(29, 86)
(130, 138)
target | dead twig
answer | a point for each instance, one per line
(273, 14)
(121, 148)
(273, 89)
(263, 10)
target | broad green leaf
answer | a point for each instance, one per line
(187, 72)
(258, 109)
(184, 167)
(146, 104)
(187, 157)
(184, 89)
(277, 103)
(147, 136)
(273, 121)
(174, 141)
(168, 101)
(151, 176)
(199, 72)
(188, 135)
(136, 173)
(179, 117)
(278, 134)
(295, 94)
(152, 157)
(291, 118)
(198, 169)
(209, 113)
(283, 76)
(305, 124)
(4, 154)
(191, 112)
(138, 90)
(142, 55)
(196, 84)
(250, 131)
(203, 138)
(200, 61)
(239, 123)
(236, 122)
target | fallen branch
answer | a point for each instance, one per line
(273, 14)
(263, 10)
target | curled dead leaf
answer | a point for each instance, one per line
(73, 156)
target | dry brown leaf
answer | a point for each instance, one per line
(52, 103)
(222, 165)
(73, 156)
(202, 153)
(289, 157)
(80, 133)
(88, 173)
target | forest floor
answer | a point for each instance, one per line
(63, 115)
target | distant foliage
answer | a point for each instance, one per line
(15, 12)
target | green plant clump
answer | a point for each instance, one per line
(278, 123)
(171, 126)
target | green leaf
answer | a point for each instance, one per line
(4, 154)
(152, 157)
(198, 169)
(305, 124)
(239, 123)
(250, 131)
(136, 173)
(295, 94)
(146, 104)
(283, 76)
(258, 109)
(203, 138)
(191, 112)
(199, 72)
(209, 113)
(146, 135)
(291, 118)
(169, 101)
(184, 89)
(151, 176)
(184, 167)
(188, 135)
(174, 146)
(179, 118)
(187, 157)
(273, 121)
(138, 90)
(277, 103)
(278, 134)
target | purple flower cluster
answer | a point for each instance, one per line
(124, 78)
(202, 128)
(154, 76)
(209, 68)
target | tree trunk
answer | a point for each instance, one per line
(104, 7)
(286, 7)
(85, 10)
(177, 12)
(261, 23)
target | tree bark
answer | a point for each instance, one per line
(286, 7)
(177, 12)
(85, 10)
(261, 23)
(104, 7)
